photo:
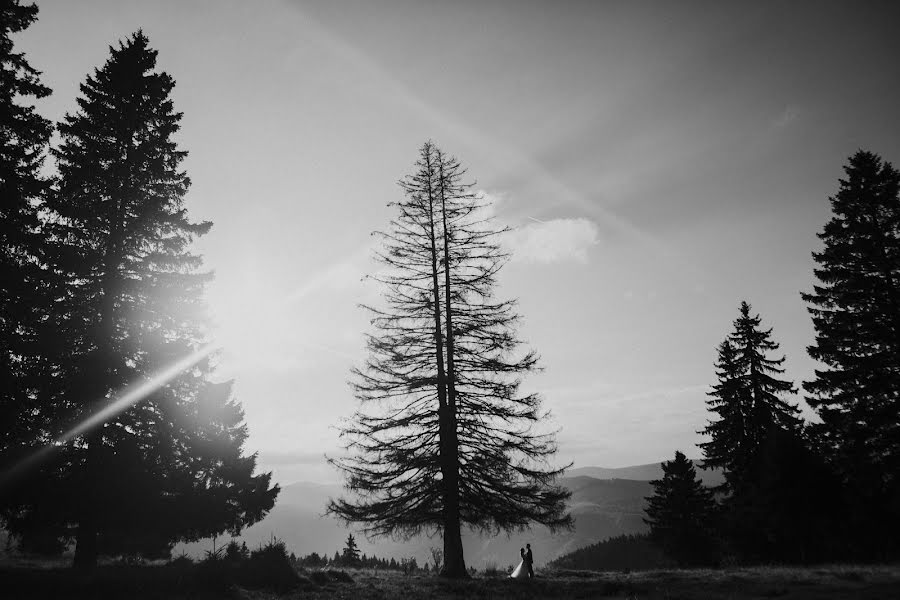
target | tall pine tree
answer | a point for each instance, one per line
(757, 439)
(748, 401)
(24, 283)
(24, 138)
(680, 513)
(855, 309)
(171, 466)
(444, 438)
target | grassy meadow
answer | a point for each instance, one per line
(33, 580)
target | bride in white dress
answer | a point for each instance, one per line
(520, 571)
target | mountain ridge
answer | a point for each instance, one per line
(603, 507)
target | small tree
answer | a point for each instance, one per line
(350, 554)
(680, 513)
(437, 558)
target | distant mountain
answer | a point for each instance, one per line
(602, 509)
(646, 472)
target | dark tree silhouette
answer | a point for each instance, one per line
(855, 309)
(24, 137)
(170, 467)
(729, 445)
(779, 496)
(747, 401)
(680, 513)
(444, 437)
(350, 553)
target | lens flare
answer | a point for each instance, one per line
(128, 397)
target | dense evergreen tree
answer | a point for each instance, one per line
(169, 467)
(855, 309)
(779, 498)
(444, 437)
(24, 283)
(748, 401)
(680, 513)
(350, 554)
(24, 137)
(729, 445)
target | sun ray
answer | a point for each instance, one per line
(128, 397)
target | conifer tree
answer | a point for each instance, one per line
(756, 438)
(171, 466)
(680, 513)
(728, 447)
(855, 308)
(24, 283)
(444, 437)
(350, 554)
(748, 401)
(24, 138)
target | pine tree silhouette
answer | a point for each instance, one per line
(444, 437)
(748, 401)
(350, 554)
(680, 513)
(130, 304)
(855, 309)
(24, 139)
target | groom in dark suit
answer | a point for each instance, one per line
(529, 561)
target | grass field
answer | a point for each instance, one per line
(161, 581)
(145, 582)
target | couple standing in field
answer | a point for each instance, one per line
(526, 565)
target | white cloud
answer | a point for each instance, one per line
(553, 241)
(787, 116)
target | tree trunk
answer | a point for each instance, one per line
(454, 562)
(87, 548)
(96, 386)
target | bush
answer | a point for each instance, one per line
(270, 567)
(326, 576)
(182, 561)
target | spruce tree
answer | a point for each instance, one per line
(171, 466)
(729, 446)
(748, 401)
(24, 282)
(24, 138)
(767, 406)
(855, 308)
(350, 554)
(680, 513)
(443, 437)
(754, 436)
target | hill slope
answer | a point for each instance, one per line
(646, 472)
(602, 509)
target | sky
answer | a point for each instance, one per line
(659, 162)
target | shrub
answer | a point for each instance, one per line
(270, 567)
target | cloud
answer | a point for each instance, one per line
(787, 116)
(553, 241)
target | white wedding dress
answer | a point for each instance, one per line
(521, 571)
